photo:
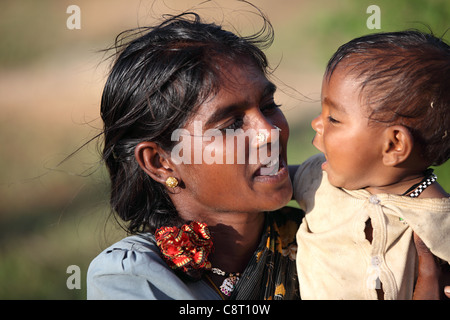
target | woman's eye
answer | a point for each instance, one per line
(236, 124)
(270, 108)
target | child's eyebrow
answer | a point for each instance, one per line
(334, 105)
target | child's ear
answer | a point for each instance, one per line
(154, 161)
(398, 145)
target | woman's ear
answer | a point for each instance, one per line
(398, 145)
(154, 161)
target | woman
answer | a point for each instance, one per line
(184, 74)
(179, 95)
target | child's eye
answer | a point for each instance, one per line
(332, 120)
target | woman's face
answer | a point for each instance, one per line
(228, 144)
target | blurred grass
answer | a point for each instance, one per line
(50, 217)
(325, 25)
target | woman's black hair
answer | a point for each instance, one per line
(156, 83)
(405, 79)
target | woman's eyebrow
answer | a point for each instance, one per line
(222, 113)
(269, 90)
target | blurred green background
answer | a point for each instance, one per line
(55, 215)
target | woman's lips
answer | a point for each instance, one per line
(273, 172)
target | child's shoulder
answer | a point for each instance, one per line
(315, 160)
(308, 177)
(309, 170)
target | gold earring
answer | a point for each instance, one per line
(172, 182)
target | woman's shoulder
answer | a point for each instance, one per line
(127, 255)
(113, 273)
(132, 268)
(143, 243)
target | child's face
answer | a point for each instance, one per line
(352, 147)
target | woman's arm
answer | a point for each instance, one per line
(433, 282)
(292, 171)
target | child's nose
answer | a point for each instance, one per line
(317, 124)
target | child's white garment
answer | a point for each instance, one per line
(334, 258)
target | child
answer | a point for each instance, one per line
(385, 119)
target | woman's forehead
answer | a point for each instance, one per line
(250, 88)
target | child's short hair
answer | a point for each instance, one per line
(405, 79)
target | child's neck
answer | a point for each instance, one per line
(400, 187)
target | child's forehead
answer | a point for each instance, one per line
(343, 79)
(403, 79)
(343, 92)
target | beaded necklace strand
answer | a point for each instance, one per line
(418, 188)
(230, 281)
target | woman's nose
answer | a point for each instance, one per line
(267, 133)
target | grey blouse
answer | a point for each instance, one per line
(133, 269)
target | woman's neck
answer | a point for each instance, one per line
(236, 237)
